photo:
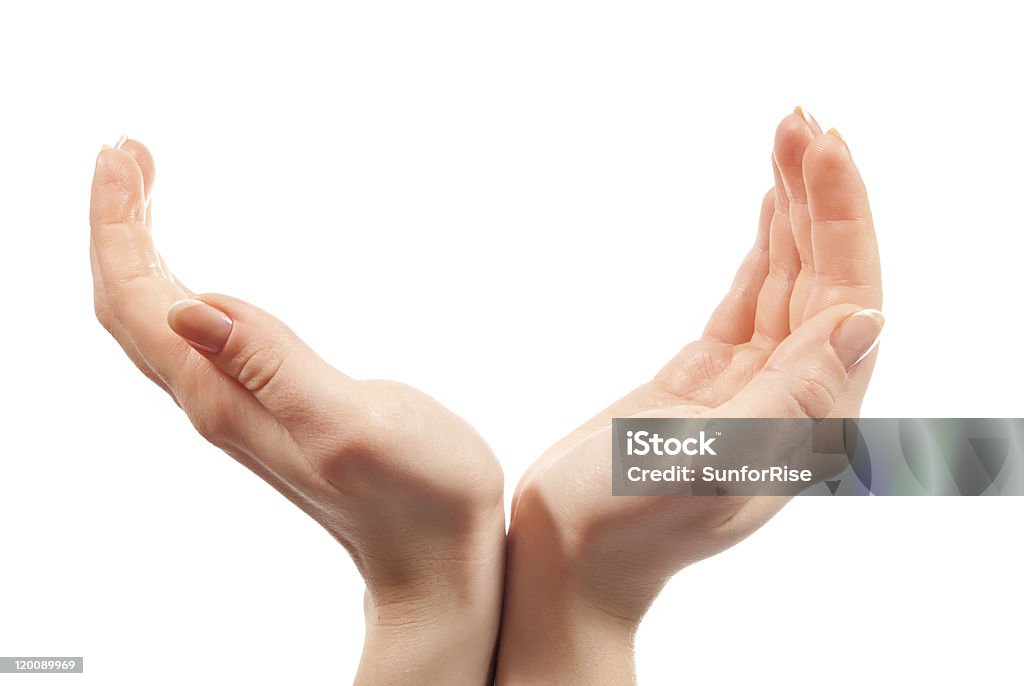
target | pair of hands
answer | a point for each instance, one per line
(416, 496)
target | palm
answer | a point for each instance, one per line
(815, 258)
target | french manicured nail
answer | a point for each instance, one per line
(857, 336)
(807, 117)
(117, 146)
(202, 325)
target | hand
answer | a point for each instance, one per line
(409, 489)
(791, 339)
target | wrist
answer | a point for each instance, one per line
(566, 646)
(440, 628)
(552, 634)
(454, 647)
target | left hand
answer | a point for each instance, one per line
(787, 341)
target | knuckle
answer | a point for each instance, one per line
(259, 364)
(103, 314)
(813, 394)
(211, 421)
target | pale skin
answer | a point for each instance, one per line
(414, 493)
(409, 489)
(786, 341)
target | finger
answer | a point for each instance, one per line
(137, 297)
(144, 159)
(135, 288)
(771, 322)
(733, 319)
(807, 374)
(265, 357)
(115, 329)
(140, 153)
(847, 267)
(792, 137)
(809, 118)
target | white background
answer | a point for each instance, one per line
(496, 203)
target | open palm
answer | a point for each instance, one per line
(790, 339)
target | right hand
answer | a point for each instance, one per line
(408, 488)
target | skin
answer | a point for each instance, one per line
(409, 489)
(584, 566)
(580, 568)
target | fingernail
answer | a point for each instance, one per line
(857, 336)
(833, 132)
(202, 325)
(800, 110)
(117, 146)
(809, 118)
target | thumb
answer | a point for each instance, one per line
(806, 374)
(256, 349)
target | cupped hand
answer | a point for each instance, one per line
(793, 337)
(409, 489)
